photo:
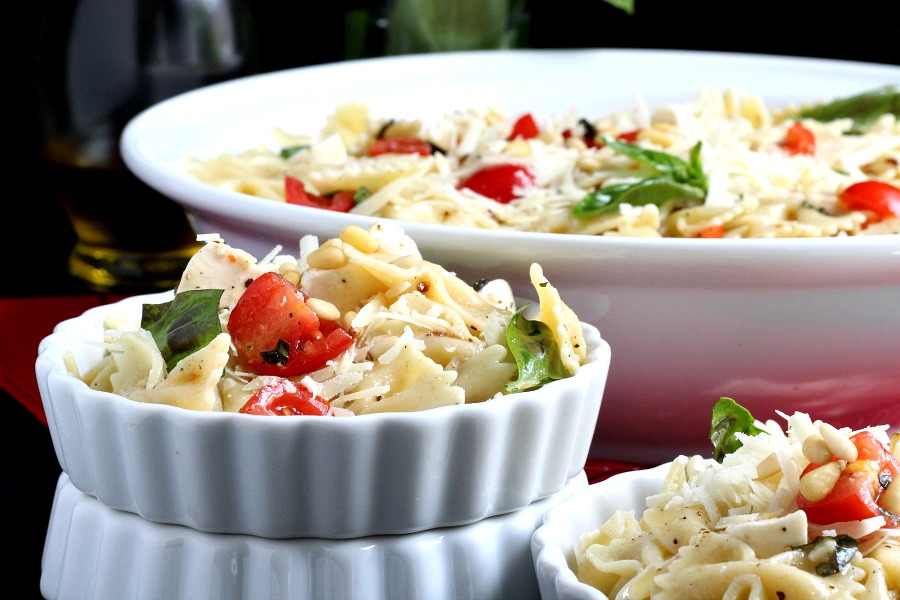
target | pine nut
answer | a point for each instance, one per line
(655, 136)
(292, 276)
(359, 238)
(895, 445)
(816, 450)
(588, 164)
(518, 148)
(819, 482)
(768, 466)
(576, 144)
(664, 127)
(326, 257)
(839, 444)
(324, 309)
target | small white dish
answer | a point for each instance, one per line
(554, 543)
(284, 477)
(93, 552)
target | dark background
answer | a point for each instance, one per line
(291, 33)
(36, 236)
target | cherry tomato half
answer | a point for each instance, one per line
(295, 193)
(855, 495)
(629, 136)
(284, 397)
(400, 145)
(711, 231)
(502, 183)
(525, 128)
(881, 198)
(276, 333)
(799, 140)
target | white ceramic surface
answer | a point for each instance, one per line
(93, 552)
(555, 541)
(806, 324)
(280, 477)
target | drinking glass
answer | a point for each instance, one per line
(439, 26)
(101, 62)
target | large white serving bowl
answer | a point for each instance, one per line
(287, 476)
(797, 324)
(93, 552)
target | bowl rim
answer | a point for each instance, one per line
(70, 332)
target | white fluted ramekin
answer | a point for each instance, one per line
(93, 552)
(285, 477)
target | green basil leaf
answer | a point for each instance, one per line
(536, 353)
(729, 418)
(656, 190)
(864, 108)
(673, 167)
(838, 557)
(361, 195)
(184, 325)
(696, 176)
(289, 151)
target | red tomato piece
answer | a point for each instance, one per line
(855, 495)
(295, 193)
(276, 333)
(876, 196)
(799, 140)
(342, 201)
(629, 136)
(502, 183)
(400, 145)
(284, 397)
(711, 231)
(525, 128)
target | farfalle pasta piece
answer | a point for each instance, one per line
(349, 121)
(485, 373)
(372, 173)
(561, 319)
(136, 370)
(415, 382)
(411, 334)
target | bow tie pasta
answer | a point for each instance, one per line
(722, 164)
(358, 324)
(806, 512)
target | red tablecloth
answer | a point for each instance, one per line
(26, 321)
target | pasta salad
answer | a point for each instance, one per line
(809, 511)
(720, 165)
(357, 325)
